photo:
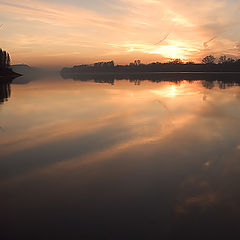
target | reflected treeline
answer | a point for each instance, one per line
(220, 84)
(209, 80)
(5, 91)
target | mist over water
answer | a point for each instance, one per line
(135, 158)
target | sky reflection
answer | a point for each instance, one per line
(149, 157)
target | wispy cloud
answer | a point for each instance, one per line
(119, 28)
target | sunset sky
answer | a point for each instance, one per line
(70, 32)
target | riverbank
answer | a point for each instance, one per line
(7, 74)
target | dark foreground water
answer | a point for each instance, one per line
(130, 160)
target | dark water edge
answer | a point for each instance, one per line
(155, 77)
(8, 75)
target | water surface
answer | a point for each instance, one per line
(119, 159)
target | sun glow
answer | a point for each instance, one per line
(170, 51)
(169, 91)
(172, 91)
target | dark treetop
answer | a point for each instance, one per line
(5, 70)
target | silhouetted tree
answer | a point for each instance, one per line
(224, 60)
(135, 63)
(176, 61)
(4, 59)
(8, 60)
(102, 64)
(209, 59)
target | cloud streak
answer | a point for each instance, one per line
(103, 30)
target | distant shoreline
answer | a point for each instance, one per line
(176, 66)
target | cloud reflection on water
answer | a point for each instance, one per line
(156, 150)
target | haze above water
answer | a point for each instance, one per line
(129, 160)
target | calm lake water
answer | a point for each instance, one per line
(130, 160)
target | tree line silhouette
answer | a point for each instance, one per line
(209, 64)
(5, 66)
(5, 60)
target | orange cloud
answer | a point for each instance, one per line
(68, 33)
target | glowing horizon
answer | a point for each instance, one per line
(66, 33)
